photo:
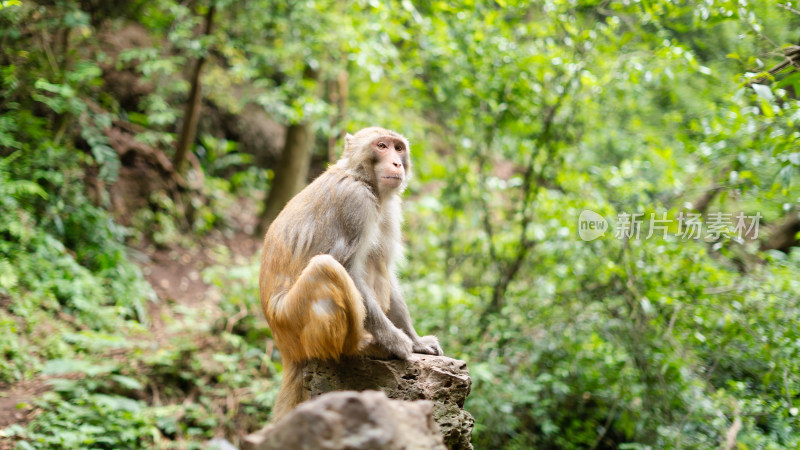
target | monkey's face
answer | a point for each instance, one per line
(390, 157)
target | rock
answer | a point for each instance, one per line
(352, 420)
(220, 444)
(442, 380)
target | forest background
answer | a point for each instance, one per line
(144, 145)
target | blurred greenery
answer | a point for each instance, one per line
(521, 116)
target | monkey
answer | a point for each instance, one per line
(327, 282)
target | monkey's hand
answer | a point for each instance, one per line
(398, 344)
(428, 345)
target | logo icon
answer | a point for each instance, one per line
(591, 225)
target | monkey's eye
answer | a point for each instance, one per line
(398, 147)
(381, 145)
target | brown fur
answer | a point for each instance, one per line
(327, 280)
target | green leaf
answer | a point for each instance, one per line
(65, 366)
(785, 175)
(764, 92)
(791, 80)
(8, 276)
(115, 402)
(127, 382)
(7, 3)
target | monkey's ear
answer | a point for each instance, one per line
(348, 141)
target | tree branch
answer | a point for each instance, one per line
(784, 236)
(192, 112)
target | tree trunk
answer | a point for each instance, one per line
(338, 92)
(290, 173)
(192, 112)
(701, 204)
(784, 236)
(292, 169)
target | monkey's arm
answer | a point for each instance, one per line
(383, 331)
(399, 315)
(352, 210)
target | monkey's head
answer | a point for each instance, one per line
(379, 157)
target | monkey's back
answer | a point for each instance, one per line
(329, 216)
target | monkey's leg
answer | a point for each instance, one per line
(322, 316)
(324, 311)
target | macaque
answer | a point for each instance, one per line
(328, 283)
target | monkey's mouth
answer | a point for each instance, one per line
(391, 181)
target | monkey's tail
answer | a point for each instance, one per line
(291, 393)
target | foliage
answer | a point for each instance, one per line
(63, 260)
(521, 116)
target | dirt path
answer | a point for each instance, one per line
(16, 401)
(176, 277)
(176, 274)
